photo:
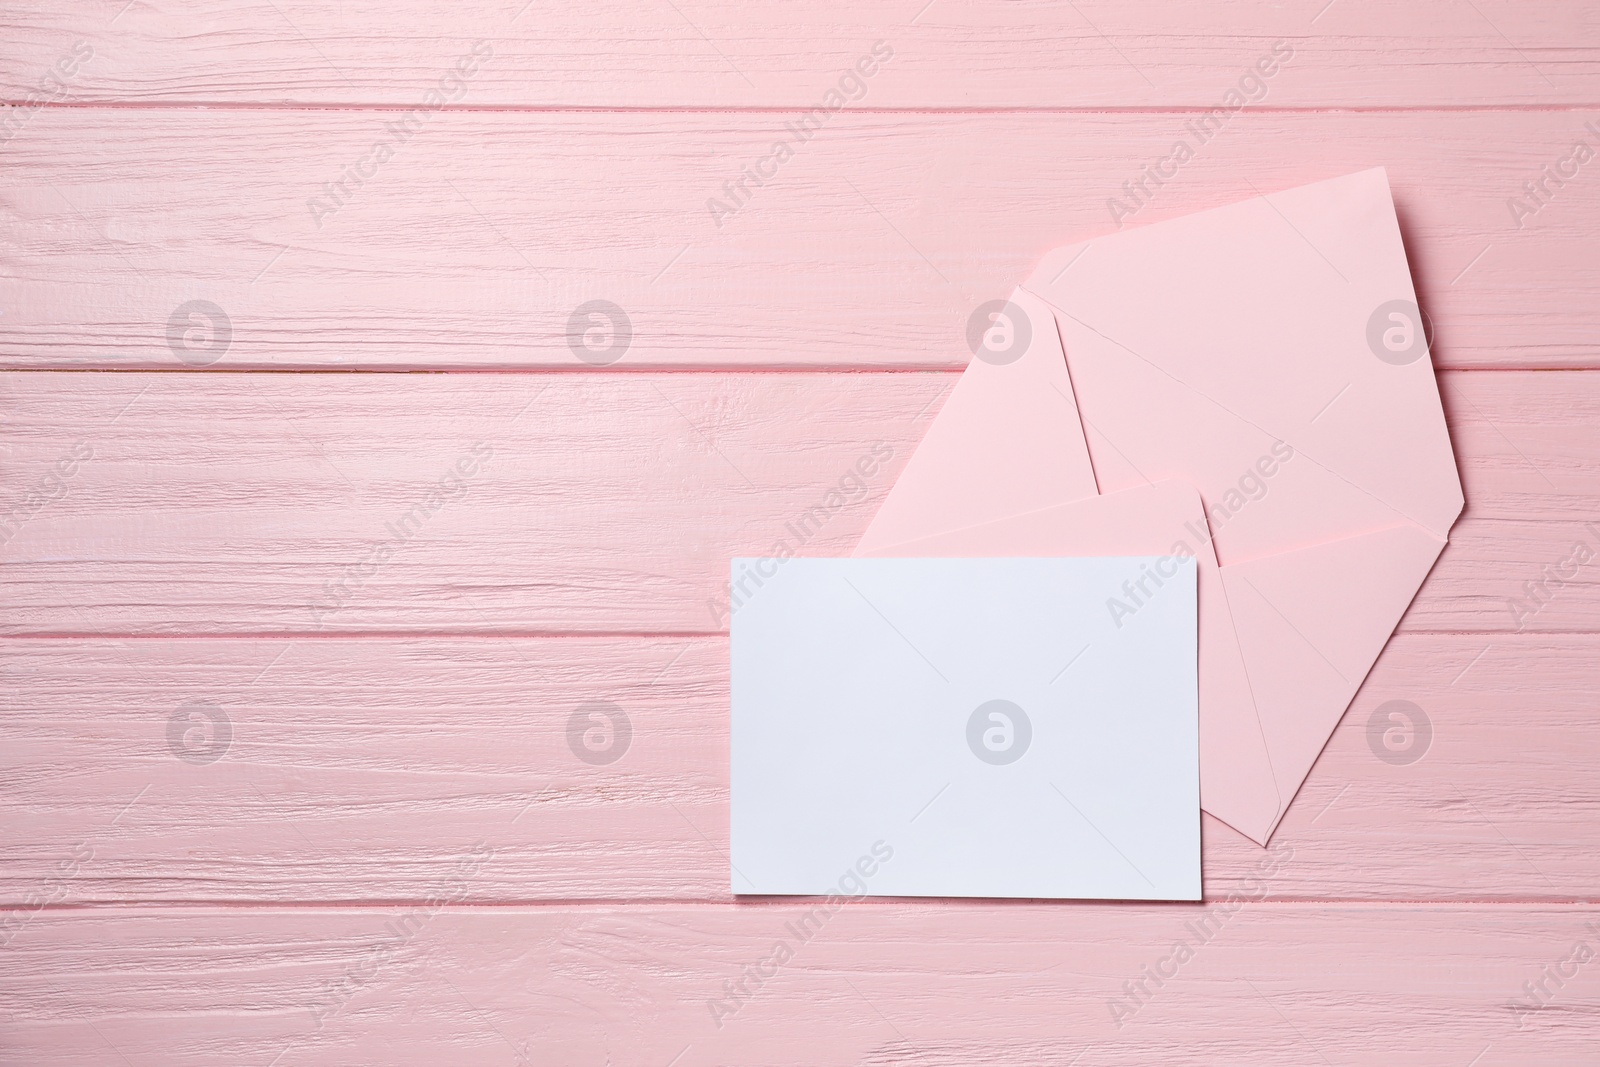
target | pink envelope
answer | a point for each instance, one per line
(1268, 354)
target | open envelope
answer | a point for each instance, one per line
(1268, 354)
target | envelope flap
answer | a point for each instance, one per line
(1007, 440)
(1265, 319)
(1311, 623)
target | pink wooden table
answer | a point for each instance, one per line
(290, 656)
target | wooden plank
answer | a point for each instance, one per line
(721, 53)
(362, 769)
(877, 983)
(478, 241)
(600, 503)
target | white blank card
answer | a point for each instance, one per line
(966, 727)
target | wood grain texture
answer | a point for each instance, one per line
(881, 983)
(252, 503)
(362, 770)
(723, 53)
(475, 242)
(395, 590)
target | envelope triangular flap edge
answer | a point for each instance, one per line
(1310, 624)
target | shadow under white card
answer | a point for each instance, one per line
(966, 727)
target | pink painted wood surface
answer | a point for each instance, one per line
(728, 53)
(358, 769)
(241, 503)
(882, 983)
(475, 242)
(179, 531)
